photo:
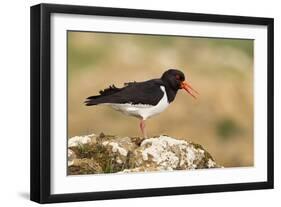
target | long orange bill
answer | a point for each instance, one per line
(186, 86)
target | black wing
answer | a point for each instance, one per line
(148, 92)
(108, 91)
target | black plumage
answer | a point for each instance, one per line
(147, 92)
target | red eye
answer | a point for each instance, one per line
(177, 77)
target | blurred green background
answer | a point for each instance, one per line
(221, 119)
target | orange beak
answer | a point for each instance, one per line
(186, 86)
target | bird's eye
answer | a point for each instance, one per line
(177, 77)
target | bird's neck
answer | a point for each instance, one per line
(171, 93)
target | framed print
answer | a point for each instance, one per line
(133, 103)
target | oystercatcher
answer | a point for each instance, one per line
(143, 99)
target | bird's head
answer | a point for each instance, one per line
(175, 79)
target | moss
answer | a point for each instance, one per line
(204, 162)
(85, 166)
(106, 159)
(112, 166)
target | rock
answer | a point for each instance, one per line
(84, 166)
(109, 154)
(71, 156)
(80, 140)
(166, 153)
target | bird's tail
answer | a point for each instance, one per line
(99, 99)
(92, 100)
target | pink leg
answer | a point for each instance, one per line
(142, 126)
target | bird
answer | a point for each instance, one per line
(143, 99)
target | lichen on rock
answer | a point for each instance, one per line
(80, 140)
(71, 156)
(109, 154)
(166, 153)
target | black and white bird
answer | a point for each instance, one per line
(143, 99)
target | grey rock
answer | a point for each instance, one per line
(110, 154)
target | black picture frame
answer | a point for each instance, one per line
(41, 99)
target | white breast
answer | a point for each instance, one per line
(141, 110)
